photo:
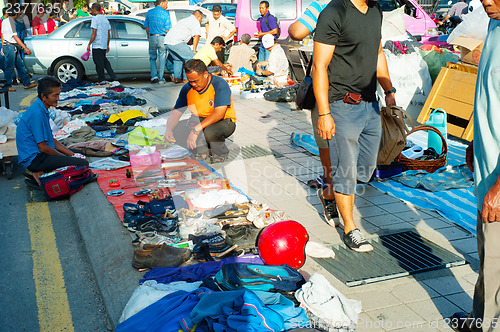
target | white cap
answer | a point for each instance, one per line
(268, 40)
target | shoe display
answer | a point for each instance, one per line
(329, 209)
(154, 257)
(356, 241)
(184, 253)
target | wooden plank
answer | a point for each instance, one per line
(9, 148)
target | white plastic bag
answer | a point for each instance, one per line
(393, 25)
(473, 25)
(6, 116)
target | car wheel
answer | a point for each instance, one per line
(66, 69)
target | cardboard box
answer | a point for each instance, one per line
(470, 49)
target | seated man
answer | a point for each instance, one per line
(213, 118)
(242, 55)
(277, 63)
(38, 150)
(208, 54)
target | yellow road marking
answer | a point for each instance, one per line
(52, 301)
(27, 100)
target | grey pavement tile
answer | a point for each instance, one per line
(449, 285)
(361, 202)
(398, 207)
(382, 199)
(398, 316)
(294, 207)
(471, 277)
(432, 222)
(384, 220)
(369, 211)
(434, 309)
(465, 246)
(367, 190)
(413, 291)
(462, 300)
(411, 216)
(375, 299)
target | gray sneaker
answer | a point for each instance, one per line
(329, 209)
(356, 241)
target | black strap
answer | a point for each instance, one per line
(309, 66)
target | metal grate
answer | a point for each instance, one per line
(248, 152)
(393, 256)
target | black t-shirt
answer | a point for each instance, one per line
(356, 37)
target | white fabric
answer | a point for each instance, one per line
(218, 27)
(101, 24)
(393, 25)
(183, 31)
(212, 198)
(150, 292)
(9, 30)
(318, 250)
(277, 62)
(473, 25)
(328, 304)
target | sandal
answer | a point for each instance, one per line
(316, 183)
(218, 159)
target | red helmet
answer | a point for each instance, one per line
(283, 242)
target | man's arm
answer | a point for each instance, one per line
(147, 32)
(172, 122)
(322, 56)
(220, 64)
(228, 37)
(217, 115)
(20, 43)
(383, 77)
(109, 38)
(46, 149)
(196, 39)
(491, 204)
(261, 34)
(92, 38)
(62, 149)
(298, 31)
(206, 30)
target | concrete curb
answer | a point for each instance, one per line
(108, 246)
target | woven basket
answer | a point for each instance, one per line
(426, 165)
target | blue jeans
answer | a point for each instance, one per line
(180, 53)
(354, 148)
(157, 51)
(13, 59)
(263, 53)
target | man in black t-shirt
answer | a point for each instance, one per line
(347, 63)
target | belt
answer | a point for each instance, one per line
(156, 34)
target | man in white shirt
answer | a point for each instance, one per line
(277, 63)
(176, 43)
(101, 34)
(216, 26)
(12, 46)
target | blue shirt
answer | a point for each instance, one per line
(311, 14)
(158, 21)
(487, 115)
(271, 23)
(101, 24)
(33, 128)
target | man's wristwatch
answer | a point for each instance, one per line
(393, 90)
(196, 132)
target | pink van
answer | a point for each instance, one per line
(418, 22)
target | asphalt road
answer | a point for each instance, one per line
(46, 280)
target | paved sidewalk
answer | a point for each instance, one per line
(419, 302)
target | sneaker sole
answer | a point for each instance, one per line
(368, 249)
(332, 222)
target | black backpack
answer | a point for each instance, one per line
(277, 25)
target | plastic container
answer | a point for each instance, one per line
(437, 119)
(153, 159)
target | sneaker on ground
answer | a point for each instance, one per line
(329, 209)
(162, 82)
(154, 257)
(356, 241)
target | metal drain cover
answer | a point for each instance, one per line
(393, 256)
(249, 152)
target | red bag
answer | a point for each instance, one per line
(65, 181)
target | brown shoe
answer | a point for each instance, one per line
(32, 85)
(11, 89)
(154, 258)
(184, 253)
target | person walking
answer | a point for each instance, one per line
(347, 63)
(216, 26)
(482, 157)
(157, 24)
(266, 24)
(177, 39)
(99, 40)
(12, 54)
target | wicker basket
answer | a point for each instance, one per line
(426, 165)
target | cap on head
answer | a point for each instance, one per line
(268, 40)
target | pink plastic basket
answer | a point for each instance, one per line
(85, 56)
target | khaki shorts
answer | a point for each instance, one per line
(320, 142)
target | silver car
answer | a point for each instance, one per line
(59, 53)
